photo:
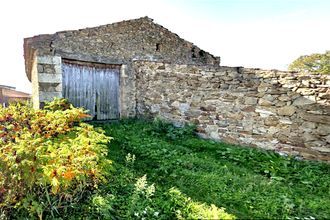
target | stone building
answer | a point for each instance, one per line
(139, 68)
(60, 64)
(9, 94)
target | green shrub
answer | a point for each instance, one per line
(250, 183)
(49, 160)
(186, 208)
(130, 196)
(166, 129)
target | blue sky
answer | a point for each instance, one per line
(252, 33)
(251, 10)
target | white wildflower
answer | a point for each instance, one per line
(156, 214)
(130, 158)
(150, 190)
(141, 184)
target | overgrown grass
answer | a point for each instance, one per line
(249, 183)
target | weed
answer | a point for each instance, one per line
(249, 183)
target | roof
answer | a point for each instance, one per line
(67, 43)
(7, 87)
(11, 93)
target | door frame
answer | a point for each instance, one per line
(119, 67)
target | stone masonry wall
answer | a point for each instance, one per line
(47, 83)
(270, 109)
(118, 43)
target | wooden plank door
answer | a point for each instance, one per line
(93, 88)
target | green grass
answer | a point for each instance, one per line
(247, 182)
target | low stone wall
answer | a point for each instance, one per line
(270, 109)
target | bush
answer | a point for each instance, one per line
(250, 183)
(186, 208)
(49, 160)
(162, 128)
(131, 196)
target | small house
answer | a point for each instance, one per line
(9, 94)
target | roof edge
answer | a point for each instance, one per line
(31, 44)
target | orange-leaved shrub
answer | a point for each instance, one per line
(49, 159)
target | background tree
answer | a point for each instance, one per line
(314, 63)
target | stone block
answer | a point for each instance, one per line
(175, 104)
(322, 149)
(309, 137)
(304, 100)
(308, 125)
(286, 121)
(233, 74)
(50, 78)
(323, 129)
(306, 91)
(183, 107)
(49, 60)
(246, 140)
(251, 101)
(50, 87)
(224, 86)
(154, 108)
(263, 87)
(249, 109)
(264, 102)
(271, 121)
(284, 98)
(327, 139)
(220, 73)
(280, 104)
(235, 116)
(193, 113)
(323, 119)
(286, 110)
(273, 130)
(212, 131)
(40, 68)
(263, 112)
(269, 97)
(208, 108)
(58, 69)
(48, 96)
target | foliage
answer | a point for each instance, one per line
(186, 208)
(162, 128)
(159, 172)
(130, 196)
(58, 104)
(314, 63)
(249, 183)
(48, 160)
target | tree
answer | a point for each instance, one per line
(315, 63)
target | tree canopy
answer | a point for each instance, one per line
(313, 63)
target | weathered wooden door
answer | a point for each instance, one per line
(94, 87)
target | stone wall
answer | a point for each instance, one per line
(47, 83)
(162, 74)
(118, 43)
(270, 109)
